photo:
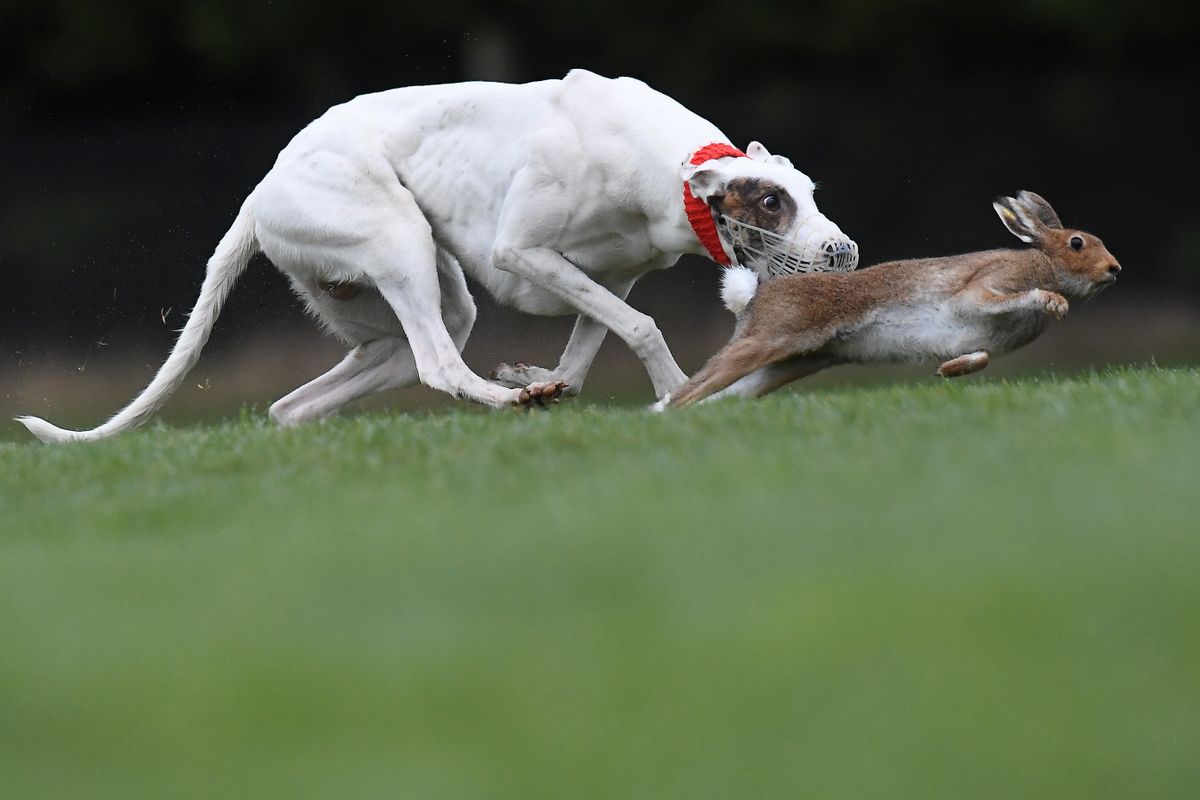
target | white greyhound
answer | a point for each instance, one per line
(556, 196)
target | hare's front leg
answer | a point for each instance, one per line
(995, 302)
(1055, 304)
(964, 365)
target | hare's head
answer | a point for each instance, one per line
(1081, 260)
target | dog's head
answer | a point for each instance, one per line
(765, 212)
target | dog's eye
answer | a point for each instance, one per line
(1076, 242)
(771, 202)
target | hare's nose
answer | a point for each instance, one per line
(1114, 268)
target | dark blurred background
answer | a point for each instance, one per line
(132, 130)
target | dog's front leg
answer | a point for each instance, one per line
(576, 360)
(550, 270)
(541, 214)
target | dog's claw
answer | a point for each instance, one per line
(538, 395)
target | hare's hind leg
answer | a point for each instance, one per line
(733, 362)
(771, 377)
(964, 365)
(795, 355)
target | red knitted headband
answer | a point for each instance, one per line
(698, 212)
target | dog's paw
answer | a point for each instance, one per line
(518, 375)
(1056, 305)
(540, 395)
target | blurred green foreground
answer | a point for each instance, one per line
(961, 590)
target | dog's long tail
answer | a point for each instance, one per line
(228, 262)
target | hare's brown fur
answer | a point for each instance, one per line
(958, 309)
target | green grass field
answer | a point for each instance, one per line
(975, 589)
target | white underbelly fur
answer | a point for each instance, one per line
(923, 333)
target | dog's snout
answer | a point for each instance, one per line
(841, 254)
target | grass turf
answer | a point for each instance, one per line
(960, 589)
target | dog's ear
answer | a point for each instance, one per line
(757, 152)
(707, 181)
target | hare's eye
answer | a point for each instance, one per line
(771, 202)
(1076, 242)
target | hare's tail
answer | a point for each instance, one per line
(738, 285)
(228, 262)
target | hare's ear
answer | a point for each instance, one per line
(1019, 222)
(1036, 204)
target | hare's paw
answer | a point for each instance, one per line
(964, 365)
(1055, 304)
(540, 395)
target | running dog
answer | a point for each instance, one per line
(555, 196)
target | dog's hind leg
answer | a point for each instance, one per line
(458, 306)
(401, 261)
(371, 367)
(381, 364)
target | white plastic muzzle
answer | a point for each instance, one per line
(816, 245)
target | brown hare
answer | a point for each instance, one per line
(960, 310)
